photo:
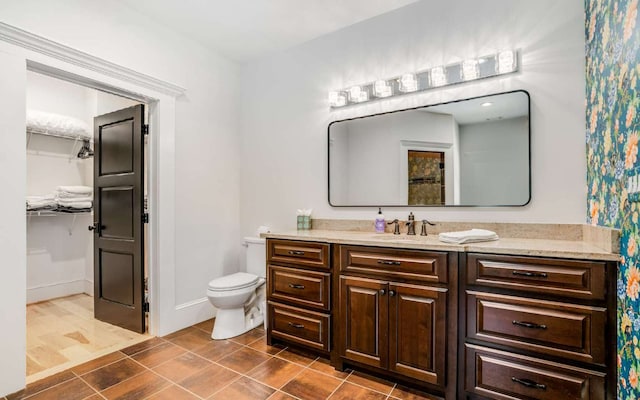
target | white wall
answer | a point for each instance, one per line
(494, 177)
(284, 106)
(206, 146)
(12, 228)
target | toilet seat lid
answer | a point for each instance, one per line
(238, 280)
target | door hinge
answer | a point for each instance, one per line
(145, 307)
(145, 129)
(145, 218)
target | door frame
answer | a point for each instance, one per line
(59, 61)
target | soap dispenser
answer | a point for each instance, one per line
(380, 221)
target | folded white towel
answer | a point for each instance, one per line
(470, 236)
(78, 205)
(70, 200)
(74, 191)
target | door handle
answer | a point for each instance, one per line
(382, 292)
(95, 227)
(392, 293)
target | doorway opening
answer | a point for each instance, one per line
(426, 177)
(61, 206)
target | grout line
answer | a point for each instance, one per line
(92, 388)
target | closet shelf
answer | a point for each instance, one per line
(33, 131)
(50, 213)
(85, 142)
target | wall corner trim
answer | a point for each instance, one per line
(39, 44)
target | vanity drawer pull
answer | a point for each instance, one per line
(529, 383)
(389, 262)
(530, 274)
(297, 326)
(296, 252)
(528, 325)
(296, 286)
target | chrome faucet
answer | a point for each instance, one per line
(411, 224)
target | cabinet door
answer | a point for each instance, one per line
(364, 311)
(417, 332)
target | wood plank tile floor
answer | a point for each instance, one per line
(189, 365)
(62, 333)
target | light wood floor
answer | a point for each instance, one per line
(62, 333)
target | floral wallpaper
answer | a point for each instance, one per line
(612, 34)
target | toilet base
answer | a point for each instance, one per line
(234, 322)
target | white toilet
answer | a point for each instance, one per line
(239, 297)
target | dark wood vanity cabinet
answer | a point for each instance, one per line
(394, 318)
(299, 294)
(537, 328)
(458, 325)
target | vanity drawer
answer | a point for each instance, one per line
(426, 266)
(310, 254)
(303, 287)
(569, 278)
(565, 330)
(299, 326)
(499, 375)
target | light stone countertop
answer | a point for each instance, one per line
(577, 249)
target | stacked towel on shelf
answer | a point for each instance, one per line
(69, 199)
(55, 124)
(470, 236)
(42, 203)
(74, 198)
(73, 192)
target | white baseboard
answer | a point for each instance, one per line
(190, 313)
(53, 290)
(88, 287)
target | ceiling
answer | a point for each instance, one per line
(243, 30)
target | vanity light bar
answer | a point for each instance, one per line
(503, 62)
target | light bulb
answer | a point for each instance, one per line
(470, 70)
(382, 89)
(408, 83)
(337, 99)
(357, 95)
(438, 77)
(505, 62)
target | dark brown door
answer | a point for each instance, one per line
(118, 212)
(364, 320)
(417, 332)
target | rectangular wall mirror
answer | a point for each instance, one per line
(472, 152)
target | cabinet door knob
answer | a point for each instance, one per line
(392, 293)
(382, 291)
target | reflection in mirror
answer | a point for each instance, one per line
(472, 152)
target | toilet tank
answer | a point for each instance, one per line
(256, 256)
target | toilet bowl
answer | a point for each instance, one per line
(238, 297)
